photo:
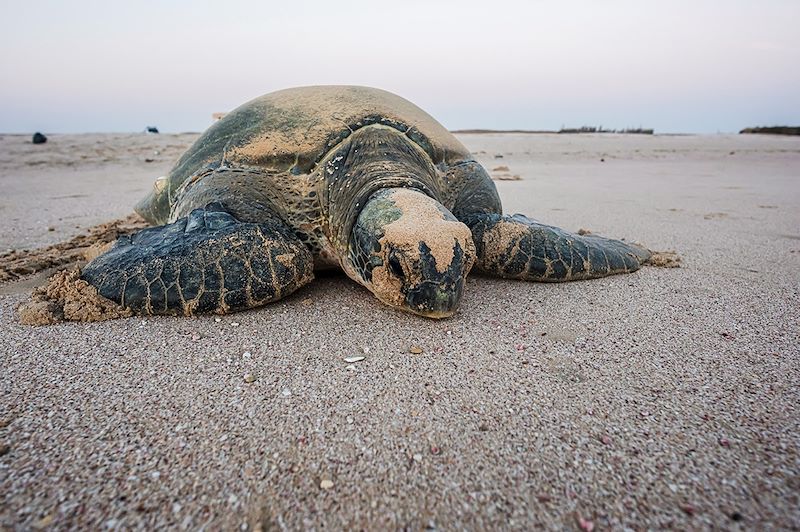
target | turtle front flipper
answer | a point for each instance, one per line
(517, 247)
(207, 261)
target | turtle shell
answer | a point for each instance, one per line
(294, 129)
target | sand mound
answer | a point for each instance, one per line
(506, 177)
(22, 263)
(68, 297)
(664, 259)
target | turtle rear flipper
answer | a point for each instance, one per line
(207, 261)
(517, 247)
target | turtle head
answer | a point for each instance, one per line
(411, 252)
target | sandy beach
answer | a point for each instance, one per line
(665, 398)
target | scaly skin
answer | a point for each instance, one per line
(516, 247)
(206, 262)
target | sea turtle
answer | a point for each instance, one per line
(333, 176)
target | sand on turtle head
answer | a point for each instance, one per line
(422, 221)
(68, 297)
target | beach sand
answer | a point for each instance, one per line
(665, 398)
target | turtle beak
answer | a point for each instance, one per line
(439, 293)
(435, 299)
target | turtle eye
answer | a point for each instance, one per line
(394, 265)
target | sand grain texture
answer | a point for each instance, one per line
(665, 398)
(66, 296)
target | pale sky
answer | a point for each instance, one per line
(674, 65)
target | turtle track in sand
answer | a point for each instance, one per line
(18, 264)
(65, 295)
